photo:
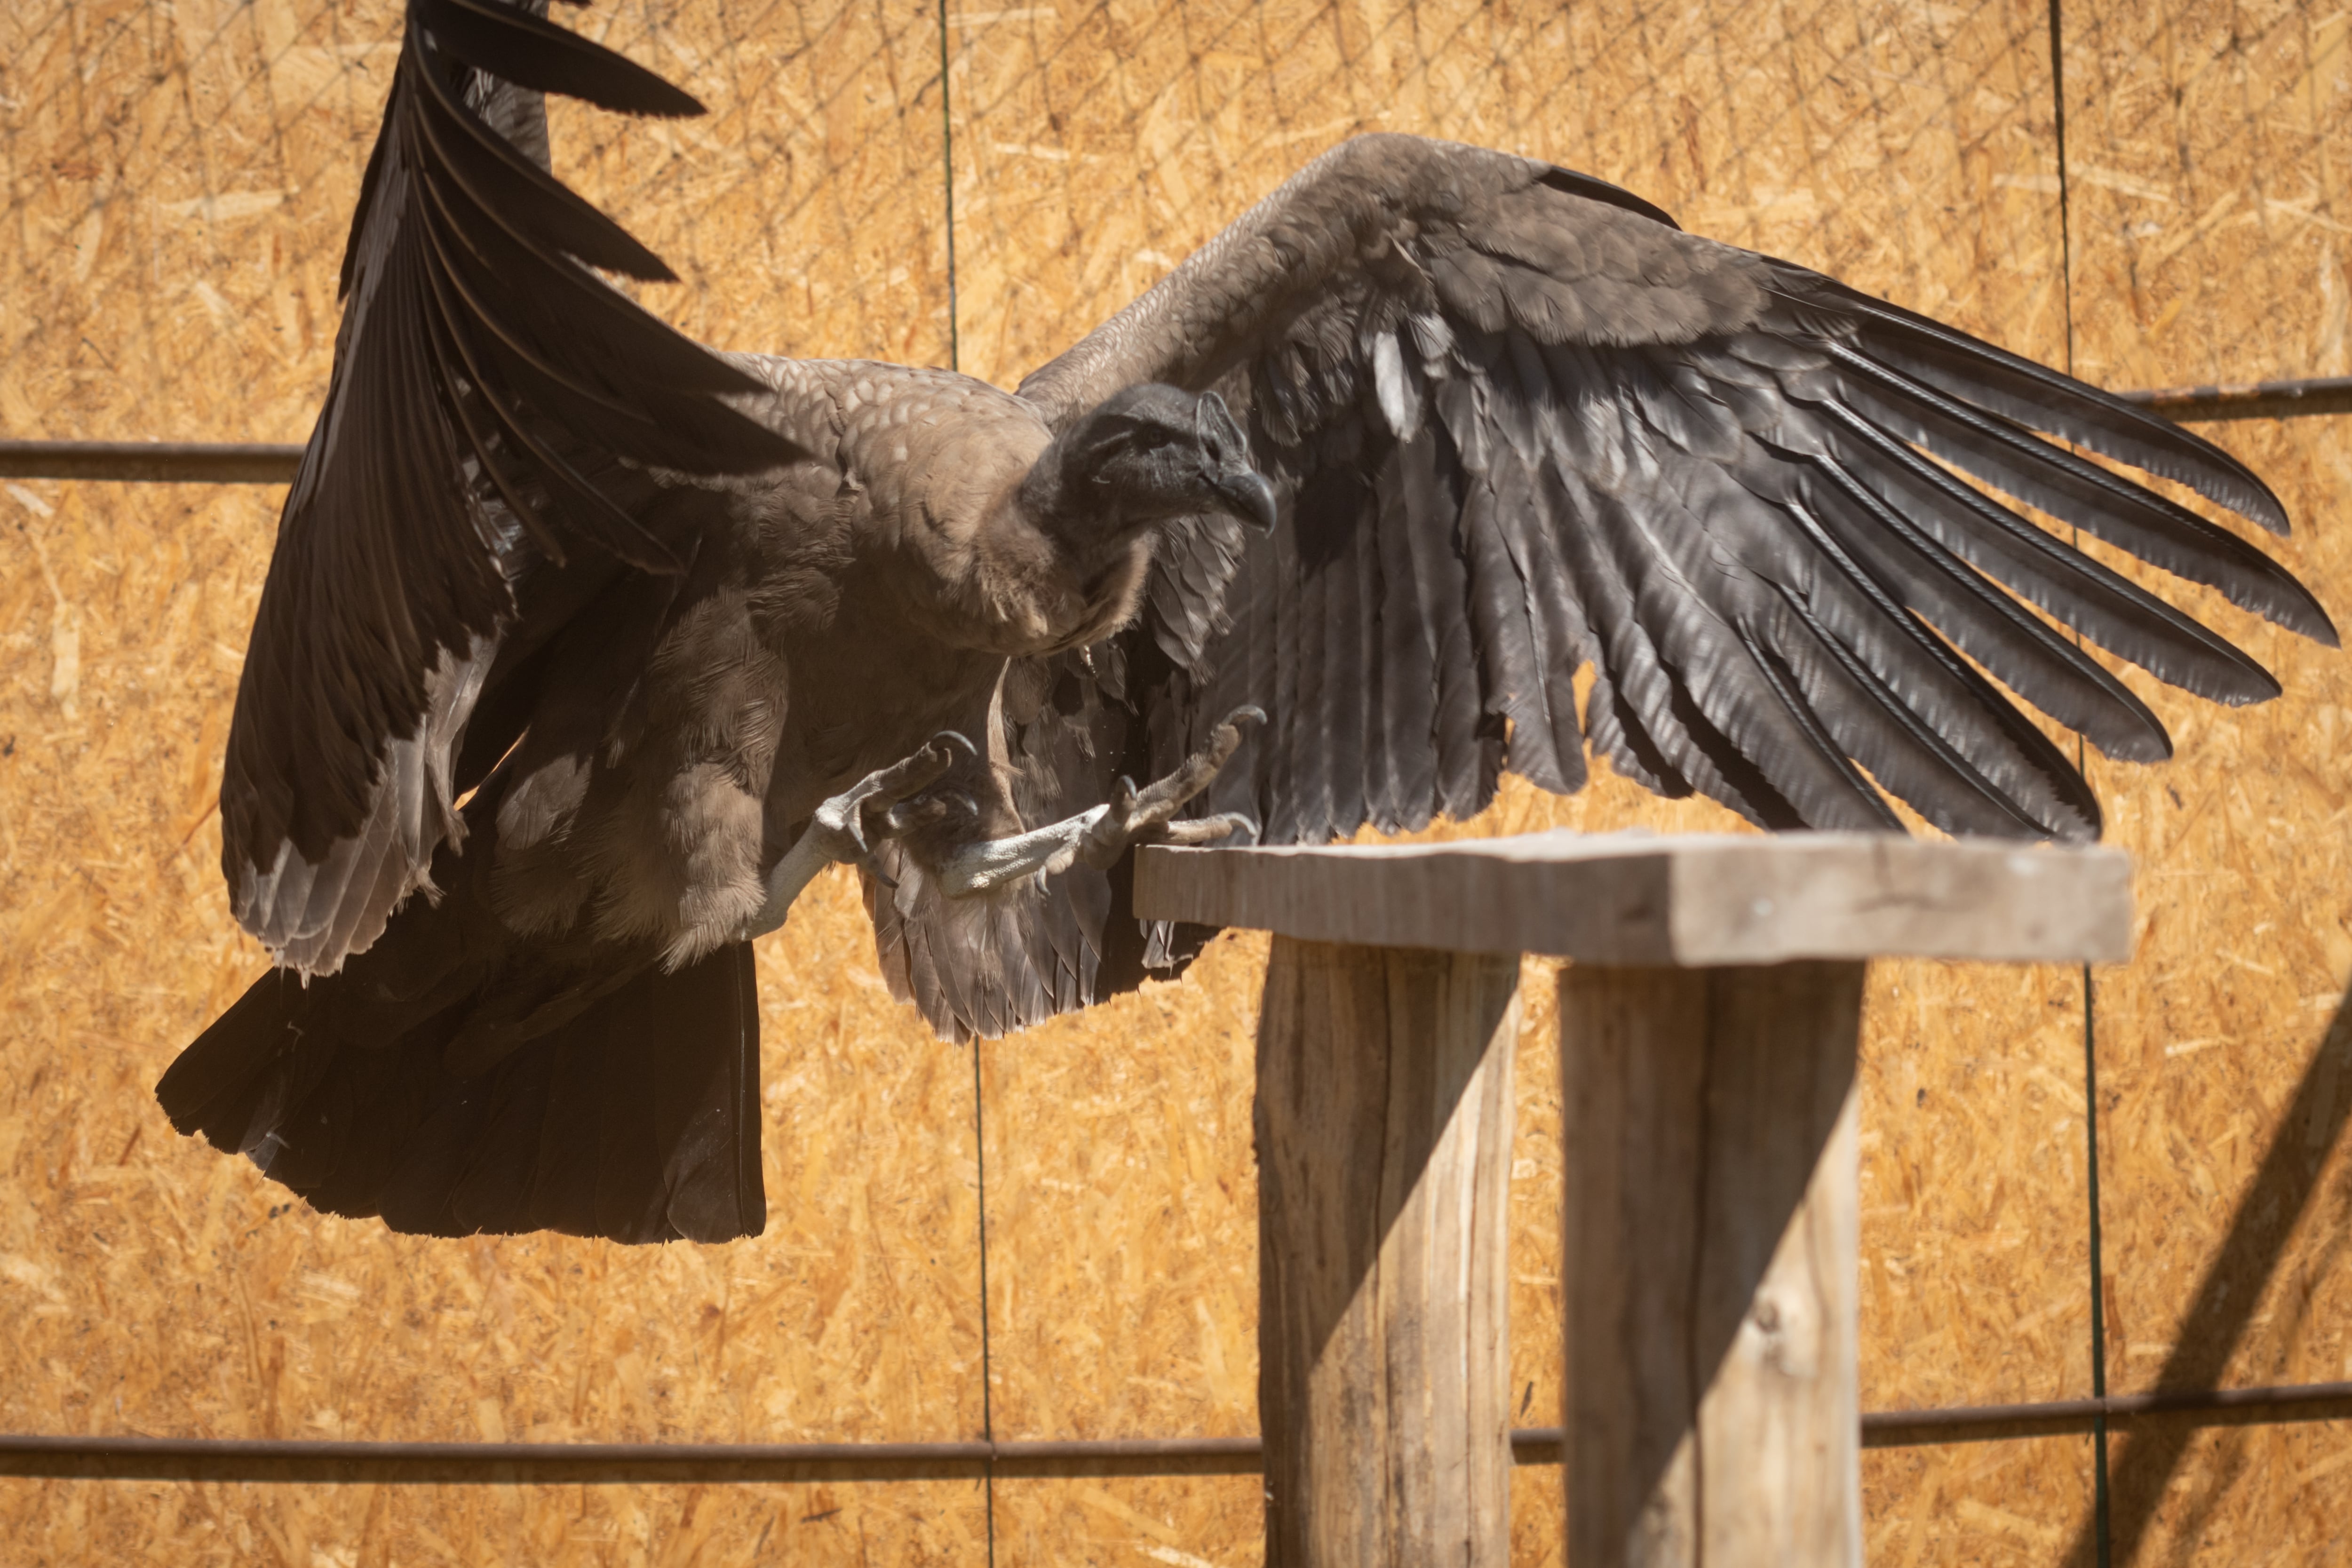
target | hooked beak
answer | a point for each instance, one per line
(1248, 496)
(1245, 490)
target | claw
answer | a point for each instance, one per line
(1146, 815)
(839, 831)
(1208, 829)
(1100, 836)
(911, 775)
(931, 812)
(844, 814)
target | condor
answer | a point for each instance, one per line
(584, 647)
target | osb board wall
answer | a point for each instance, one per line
(2212, 239)
(179, 181)
(388, 1526)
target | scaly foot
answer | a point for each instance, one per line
(879, 805)
(1101, 835)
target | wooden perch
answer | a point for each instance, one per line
(1690, 901)
(1710, 1160)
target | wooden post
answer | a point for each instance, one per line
(1384, 1162)
(1708, 1119)
(1709, 1029)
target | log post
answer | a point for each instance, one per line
(1384, 1164)
(1708, 1119)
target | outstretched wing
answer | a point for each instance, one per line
(491, 393)
(1523, 423)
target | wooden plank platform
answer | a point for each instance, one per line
(1692, 902)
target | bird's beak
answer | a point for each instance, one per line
(1245, 490)
(1248, 496)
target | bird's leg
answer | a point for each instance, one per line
(1101, 836)
(874, 807)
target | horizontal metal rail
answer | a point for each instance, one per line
(2249, 400)
(572, 1464)
(2200, 1407)
(256, 462)
(168, 462)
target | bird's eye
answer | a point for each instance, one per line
(1132, 439)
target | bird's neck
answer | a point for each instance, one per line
(1045, 578)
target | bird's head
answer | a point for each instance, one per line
(1149, 455)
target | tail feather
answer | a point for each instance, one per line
(638, 1121)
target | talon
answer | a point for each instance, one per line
(1098, 837)
(931, 812)
(1146, 815)
(914, 773)
(932, 824)
(840, 829)
(1206, 830)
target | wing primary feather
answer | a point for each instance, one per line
(1648, 724)
(1310, 791)
(1550, 752)
(1784, 688)
(595, 515)
(1564, 640)
(2035, 746)
(640, 345)
(1409, 672)
(2086, 495)
(487, 449)
(1948, 762)
(1432, 487)
(1255, 677)
(2114, 611)
(534, 52)
(476, 156)
(1598, 190)
(1350, 676)
(1987, 624)
(605, 416)
(1504, 631)
(1725, 772)
(2044, 399)
(1369, 550)
(1284, 822)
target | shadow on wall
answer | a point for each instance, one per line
(2235, 1284)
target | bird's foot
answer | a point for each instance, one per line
(886, 803)
(1146, 815)
(1100, 836)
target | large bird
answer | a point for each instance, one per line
(585, 648)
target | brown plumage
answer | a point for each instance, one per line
(1387, 462)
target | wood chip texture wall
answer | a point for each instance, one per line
(178, 177)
